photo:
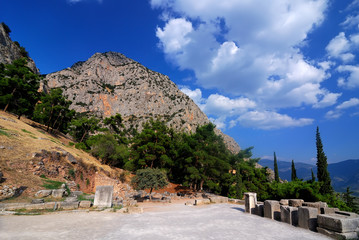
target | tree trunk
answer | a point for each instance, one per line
(151, 194)
(7, 105)
(49, 121)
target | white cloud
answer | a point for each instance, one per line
(352, 81)
(339, 110)
(341, 47)
(195, 95)
(246, 50)
(271, 120)
(348, 104)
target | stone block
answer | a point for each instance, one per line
(71, 199)
(218, 199)
(103, 196)
(336, 235)
(307, 218)
(85, 204)
(43, 193)
(58, 193)
(13, 206)
(289, 215)
(202, 201)
(35, 201)
(295, 202)
(38, 206)
(329, 210)
(338, 223)
(50, 205)
(259, 210)
(76, 193)
(272, 209)
(68, 205)
(250, 201)
(317, 205)
(284, 202)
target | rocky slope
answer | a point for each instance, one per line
(110, 83)
(10, 51)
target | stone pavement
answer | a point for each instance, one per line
(172, 221)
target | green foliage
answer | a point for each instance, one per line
(350, 200)
(6, 28)
(51, 184)
(18, 88)
(81, 127)
(53, 111)
(4, 133)
(149, 178)
(313, 176)
(72, 173)
(106, 147)
(322, 165)
(276, 174)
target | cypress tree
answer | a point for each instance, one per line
(276, 174)
(313, 176)
(322, 165)
(294, 172)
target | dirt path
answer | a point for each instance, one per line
(166, 221)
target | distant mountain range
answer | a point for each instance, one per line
(343, 174)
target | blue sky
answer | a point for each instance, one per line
(265, 72)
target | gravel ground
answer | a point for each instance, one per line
(173, 221)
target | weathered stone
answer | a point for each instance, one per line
(307, 218)
(250, 201)
(71, 158)
(85, 204)
(103, 196)
(289, 215)
(58, 193)
(50, 205)
(338, 222)
(336, 235)
(35, 201)
(43, 193)
(189, 203)
(259, 210)
(76, 193)
(317, 205)
(218, 199)
(68, 205)
(329, 210)
(284, 202)
(272, 209)
(71, 199)
(12, 206)
(295, 202)
(201, 201)
(237, 201)
(38, 206)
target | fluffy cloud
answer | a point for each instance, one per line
(246, 50)
(271, 120)
(339, 47)
(339, 110)
(352, 80)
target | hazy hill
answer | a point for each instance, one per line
(343, 174)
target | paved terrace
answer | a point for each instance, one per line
(159, 221)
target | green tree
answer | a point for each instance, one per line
(313, 176)
(149, 178)
(115, 123)
(322, 166)
(53, 111)
(276, 174)
(106, 147)
(6, 28)
(18, 88)
(294, 172)
(349, 200)
(82, 127)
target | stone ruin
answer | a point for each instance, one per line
(315, 216)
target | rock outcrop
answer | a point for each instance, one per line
(110, 83)
(10, 51)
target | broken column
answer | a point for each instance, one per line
(103, 196)
(250, 201)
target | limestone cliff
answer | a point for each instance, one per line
(10, 51)
(110, 83)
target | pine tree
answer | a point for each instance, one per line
(276, 174)
(322, 165)
(294, 172)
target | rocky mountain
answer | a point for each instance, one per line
(10, 51)
(110, 83)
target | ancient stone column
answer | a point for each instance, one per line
(250, 201)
